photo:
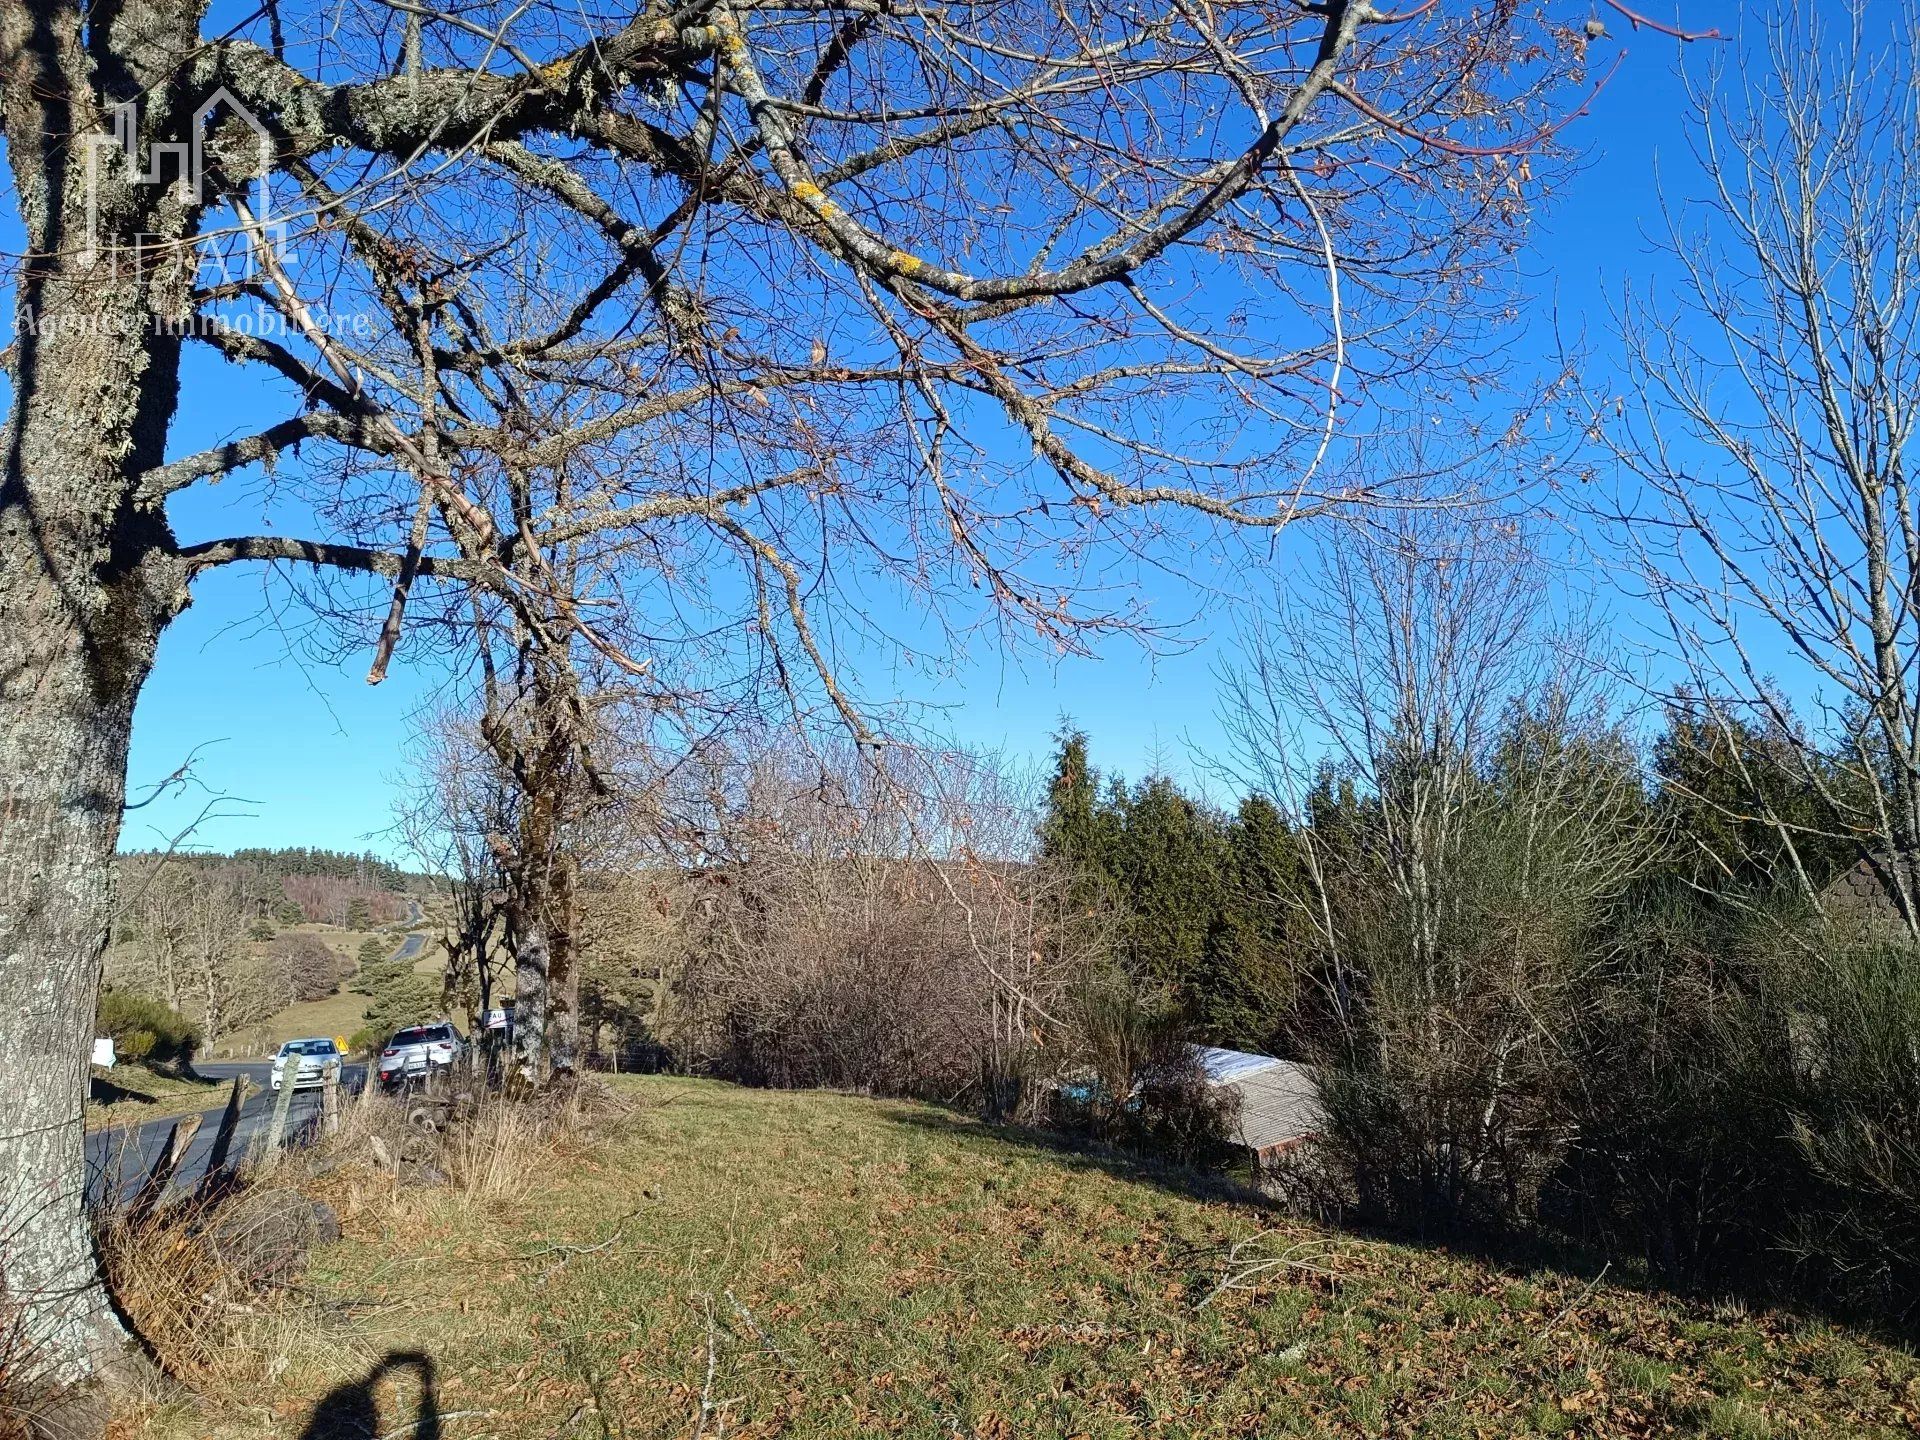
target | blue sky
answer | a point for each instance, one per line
(306, 751)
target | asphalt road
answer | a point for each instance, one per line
(410, 947)
(127, 1154)
(124, 1156)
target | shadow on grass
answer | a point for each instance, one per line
(102, 1091)
(1082, 1153)
(352, 1411)
(113, 1090)
(1521, 1256)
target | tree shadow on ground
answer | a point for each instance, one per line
(1520, 1256)
(113, 1089)
(352, 1411)
(102, 1091)
(1079, 1152)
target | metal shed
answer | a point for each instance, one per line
(1279, 1102)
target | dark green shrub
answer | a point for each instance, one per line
(408, 999)
(1750, 1108)
(1853, 1118)
(144, 1030)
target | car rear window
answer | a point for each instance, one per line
(422, 1035)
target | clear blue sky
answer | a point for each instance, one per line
(307, 750)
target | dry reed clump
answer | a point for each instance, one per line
(190, 1279)
(481, 1144)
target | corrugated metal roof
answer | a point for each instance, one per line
(1223, 1066)
(1279, 1102)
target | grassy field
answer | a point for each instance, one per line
(747, 1263)
(133, 1095)
(338, 1015)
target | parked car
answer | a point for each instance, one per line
(417, 1051)
(307, 1059)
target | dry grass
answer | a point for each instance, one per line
(131, 1094)
(813, 1266)
(482, 1146)
(231, 1342)
(181, 1299)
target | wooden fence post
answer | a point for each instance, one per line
(283, 1106)
(229, 1122)
(330, 1098)
(166, 1163)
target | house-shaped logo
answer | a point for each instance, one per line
(188, 157)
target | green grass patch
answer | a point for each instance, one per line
(132, 1094)
(757, 1264)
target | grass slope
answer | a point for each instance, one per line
(131, 1094)
(756, 1264)
(337, 1015)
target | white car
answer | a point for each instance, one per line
(308, 1060)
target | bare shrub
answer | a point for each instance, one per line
(871, 926)
(303, 966)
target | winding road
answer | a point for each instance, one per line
(123, 1156)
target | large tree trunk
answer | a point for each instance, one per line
(72, 659)
(63, 751)
(87, 582)
(530, 1002)
(563, 969)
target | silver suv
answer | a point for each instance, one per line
(417, 1051)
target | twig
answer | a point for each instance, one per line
(1567, 1309)
(1241, 1271)
(571, 1251)
(706, 1388)
(761, 1335)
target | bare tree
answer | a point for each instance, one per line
(1763, 424)
(777, 283)
(873, 921)
(1467, 812)
(213, 931)
(449, 801)
(185, 942)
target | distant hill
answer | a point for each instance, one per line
(365, 869)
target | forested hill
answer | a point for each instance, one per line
(366, 870)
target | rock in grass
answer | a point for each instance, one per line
(266, 1235)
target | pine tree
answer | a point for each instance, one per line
(1079, 830)
(1169, 874)
(1250, 974)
